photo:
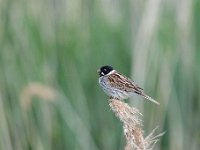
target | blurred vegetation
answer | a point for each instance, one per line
(50, 51)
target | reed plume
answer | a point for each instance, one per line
(132, 126)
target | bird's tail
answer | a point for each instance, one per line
(150, 99)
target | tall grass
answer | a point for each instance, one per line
(49, 54)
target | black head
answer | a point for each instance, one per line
(104, 70)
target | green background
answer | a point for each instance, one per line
(49, 54)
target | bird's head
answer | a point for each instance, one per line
(104, 70)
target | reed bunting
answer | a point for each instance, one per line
(119, 86)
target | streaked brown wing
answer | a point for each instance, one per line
(121, 82)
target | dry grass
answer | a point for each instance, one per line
(38, 90)
(132, 125)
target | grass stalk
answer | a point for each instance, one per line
(132, 126)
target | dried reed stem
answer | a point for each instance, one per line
(132, 125)
(36, 89)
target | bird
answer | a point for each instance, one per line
(118, 86)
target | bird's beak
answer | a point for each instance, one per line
(98, 70)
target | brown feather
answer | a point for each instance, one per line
(121, 82)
